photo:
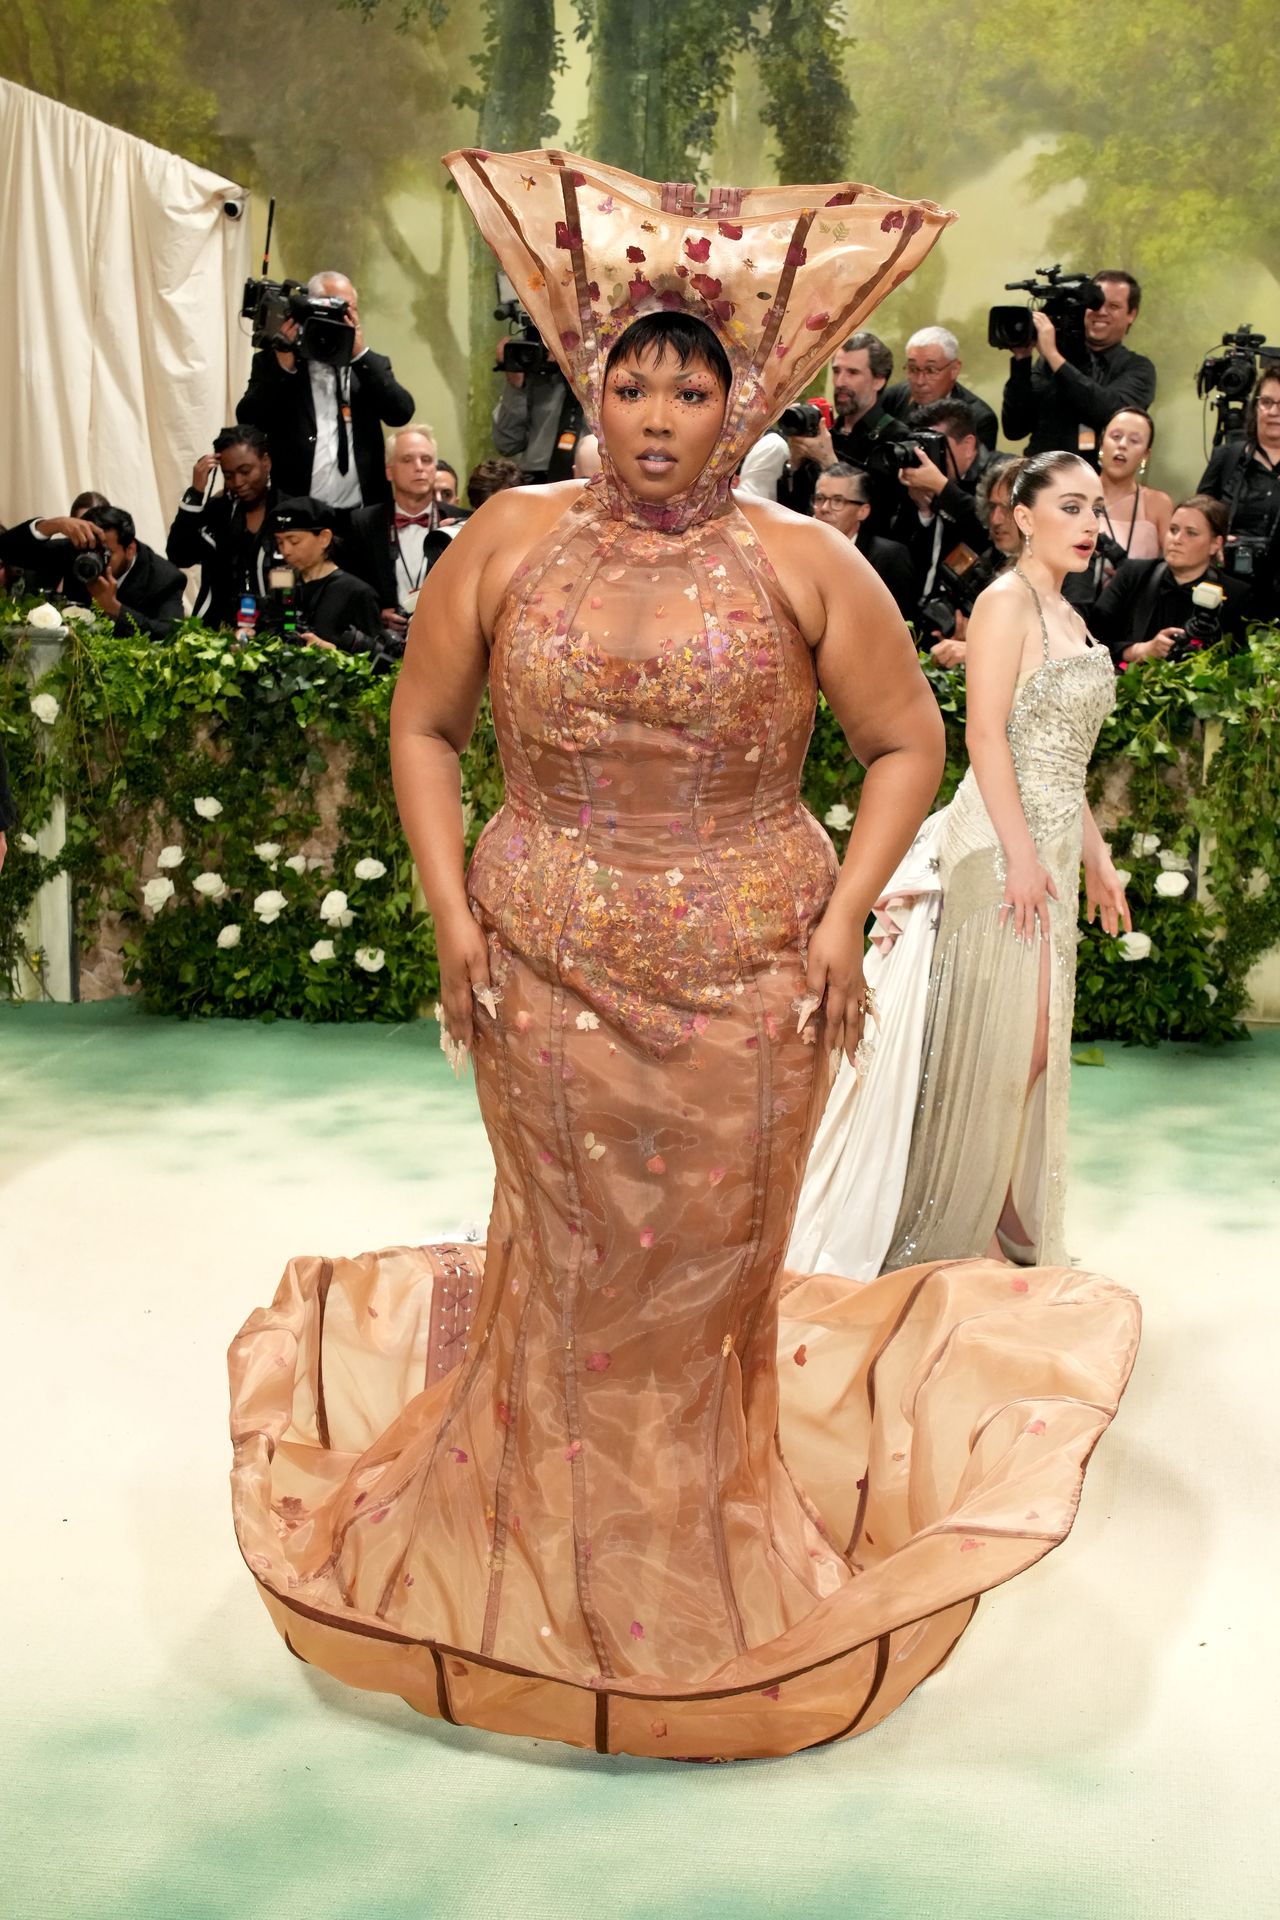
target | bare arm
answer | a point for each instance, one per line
(868, 670)
(997, 632)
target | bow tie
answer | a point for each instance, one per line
(422, 519)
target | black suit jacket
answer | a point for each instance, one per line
(1142, 598)
(368, 552)
(43, 562)
(281, 404)
(893, 563)
(232, 561)
(150, 596)
(1052, 407)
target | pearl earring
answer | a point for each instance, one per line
(1028, 545)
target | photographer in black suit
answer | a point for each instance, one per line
(1244, 473)
(1061, 404)
(36, 554)
(940, 511)
(1148, 610)
(229, 536)
(394, 544)
(841, 501)
(135, 587)
(324, 423)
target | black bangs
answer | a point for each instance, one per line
(679, 333)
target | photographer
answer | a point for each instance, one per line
(132, 584)
(943, 619)
(228, 535)
(858, 375)
(334, 609)
(36, 554)
(1148, 610)
(1244, 474)
(394, 544)
(940, 511)
(537, 420)
(324, 423)
(933, 373)
(840, 501)
(1061, 404)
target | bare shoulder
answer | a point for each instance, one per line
(1001, 610)
(816, 566)
(485, 552)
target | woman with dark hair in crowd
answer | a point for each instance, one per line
(1134, 517)
(998, 872)
(229, 535)
(334, 609)
(1146, 606)
(1244, 472)
(585, 1525)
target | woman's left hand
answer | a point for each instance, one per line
(835, 977)
(1104, 897)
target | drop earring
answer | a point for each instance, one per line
(1028, 546)
(1142, 470)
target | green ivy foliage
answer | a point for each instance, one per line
(281, 737)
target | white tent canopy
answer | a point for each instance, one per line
(120, 281)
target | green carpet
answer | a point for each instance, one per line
(1101, 1746)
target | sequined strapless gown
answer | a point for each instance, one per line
(620, 1481)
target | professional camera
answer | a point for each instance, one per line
(1065, 297)
(1243, 554)
(526, 351)
(1204, 623)
(801, 421)
(893, 456)
(323, 334)
(961, 576)
(1231, 375)
(90, 564)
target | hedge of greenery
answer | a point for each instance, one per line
(195, 776)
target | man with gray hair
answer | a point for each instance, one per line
(933, 373)
(324, 423)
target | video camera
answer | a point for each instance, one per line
(1064, 297)
(324, 333)
(526, 351)
(894, 456)
(1231, 375)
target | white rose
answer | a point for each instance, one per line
(372, 959)
(82, 616)
(229, 937)
(838, 816)
(27, 842)
(46, 618)
(44, 706)
(269, 906)
(170, 857)
(369, 869)
(1174, 862)
(1123, 875)
(1135, 946)
(211, 885)
(322, 950)
(267, 849)
(1210, 992)
(207, 807)
(297, 863)
(333, 907)
(156, 892)
(1145, 844)
(1171, 886)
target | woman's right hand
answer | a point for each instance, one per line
(464, 966)
(1028, 889)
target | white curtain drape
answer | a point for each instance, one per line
(121, 353)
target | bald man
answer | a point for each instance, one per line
(324, 424)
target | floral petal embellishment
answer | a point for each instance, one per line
(1034, 1426)
(647, 1236)
(639, 289)
(505, 1414)
(655, 1164)
(458, 1455)
(674, 876)
(587, 1022)
(488, 1000)
(801, 1355)
(1020, 1285)
(699, 250)
(796, 255)
(971, 1546)
(573, 1449)
(817, 321)
(637, 1631)
(658, 1728)
(729, 230)
(771, 1693)
(635, 254)
(892, 221)
(715, 1176)
(752, 756)
(599, 1362)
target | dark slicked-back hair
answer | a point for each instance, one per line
(114, 520)
(687, 337)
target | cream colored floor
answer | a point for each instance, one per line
(1103, 1744)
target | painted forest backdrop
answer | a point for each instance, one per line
(1133, 138)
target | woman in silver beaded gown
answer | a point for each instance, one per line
(985, 904)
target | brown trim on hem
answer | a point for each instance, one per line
(322, 1301)
(602, 1723)
(442, 1688)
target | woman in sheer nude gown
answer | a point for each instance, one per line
(618, 1481)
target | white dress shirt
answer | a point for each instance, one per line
(327, 484)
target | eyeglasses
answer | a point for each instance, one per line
(835, 500)
(1269, 406)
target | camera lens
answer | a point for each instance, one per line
(88, 566)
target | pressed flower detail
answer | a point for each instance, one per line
(637, 1631)
(573, 1449)
(1020, 1285)
(647, 1236)
(801, 1355)
(971, 1546)
(674, 876)
(599, 1362)
(587, 1022)
(461, 1457)
(771, 1693)
(1034, 1426)
(595, 1150)
(655, 1163)
(658, 1728)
